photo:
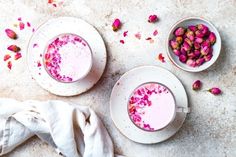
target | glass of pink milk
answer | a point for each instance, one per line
(67, 58)
(151, 106)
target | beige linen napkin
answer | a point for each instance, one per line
(75, 131)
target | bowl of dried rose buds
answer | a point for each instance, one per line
(193, 44)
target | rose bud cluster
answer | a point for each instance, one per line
(193, 45)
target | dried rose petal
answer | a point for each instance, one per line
(125, 33)
(152, 18)
(6, 57)
(212, 38)
(155, 32)
(215, 91)
(9, 65)
(19, 19)
(39, 64)
(183, 58)
(11, 34)
(17, 56)
(138, 35)
(197, 85)
(13, 48)
(28, 24)
(21, 25)
(122, 41)
(179, 31)
(161, 58)
(35, 45)
(116, 24)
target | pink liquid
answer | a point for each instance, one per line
(68, 58)
(151, 106)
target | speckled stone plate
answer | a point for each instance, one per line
(49, 30)
(121, 93)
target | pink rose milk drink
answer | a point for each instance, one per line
(68, 58)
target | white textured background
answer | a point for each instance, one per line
(209, 131)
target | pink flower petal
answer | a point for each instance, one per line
(9, 65)
(35, 45)
(138, 35)
(22, 25)
(19, 19)
(155, 32)
(39, 64)
(18, 56)
(122, 41)
(161, 58)
(28, 24)
(7, 57)
(125, 33)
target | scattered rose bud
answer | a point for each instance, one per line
(152, 18)
(13, 48)
(6, 57)
(215, 91)
(9, 65)
(116, 25)
(182, 58)
(197, 85)
(17, 56)
(161, 58)
(11, 34)
(179, 31)
(122, 41)
(212, 38)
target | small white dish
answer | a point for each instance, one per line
(127, 84)
(53, 28)
(185, 23)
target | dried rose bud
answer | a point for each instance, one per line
(205, 50)
(179, 40)
(192, 28)
(201, 26)
(116, 25)
(197, 46)
(200, 61)
(174, 44)
(197, 85)
(182, 50)
(186, 46)
(199, 34)
(13, 48)
(11, 34)
(191, 55)
(199, 40)
(179, 31)
(206, 43)
(190, 43)
(212, 38)
(197, 53)
(190, 34)
(183, 58)
(152, 18)
(205, 31)
(208, 57)
(177, 52)
(191, 63)
(215, 91)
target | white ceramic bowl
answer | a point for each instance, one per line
(185, 23)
